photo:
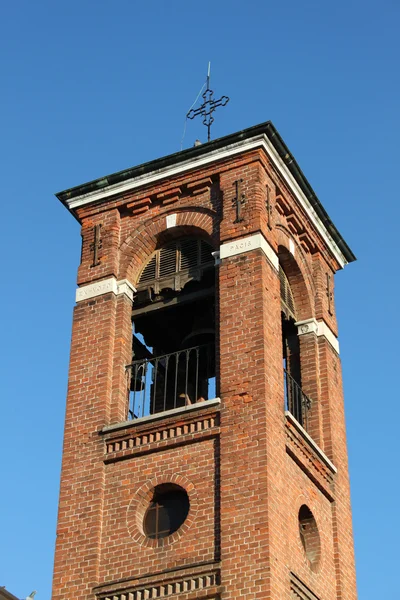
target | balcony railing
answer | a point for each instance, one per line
(171, 381)
(296, 401)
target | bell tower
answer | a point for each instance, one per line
(205, 449)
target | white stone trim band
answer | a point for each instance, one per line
(251, 242)
(324, 330)
(320, 328)
(105, 286)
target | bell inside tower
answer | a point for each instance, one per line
(173, 342)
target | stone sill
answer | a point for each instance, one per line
(310, 441)
(183, 410)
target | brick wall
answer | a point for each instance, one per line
(246, 467)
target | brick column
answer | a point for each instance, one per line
(309, 364)
(336, 449)
(251, 381)
(122, 356)
(88, 410)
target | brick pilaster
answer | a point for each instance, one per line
(336, 449)
(122, 358)
(310, 384)
(79, 528)
(251, 425)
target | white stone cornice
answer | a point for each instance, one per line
(105, 286)
(319, 328)
(167, 172)
(258, 141)
(246, 244)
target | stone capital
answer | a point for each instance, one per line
(125, 287)
(307, 326)
(319, 328)
(105, 286)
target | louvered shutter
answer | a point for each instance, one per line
(168, 260)
(149, 272)
(287, 299)
(189, 254)
(205, 253)
(177, 257)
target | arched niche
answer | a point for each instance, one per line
(138, 245)
(173, 343)
(295, 304)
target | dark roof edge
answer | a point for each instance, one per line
(6, 595)
(308, 191)
(266, 128)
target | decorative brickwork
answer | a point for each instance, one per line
(308, 460)
(199, 584)
(157, 438)
(299, 590)
(184, 586)
(139, 504)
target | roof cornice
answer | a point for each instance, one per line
(261, 136)
(6, 595)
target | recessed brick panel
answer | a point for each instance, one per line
(125, 552)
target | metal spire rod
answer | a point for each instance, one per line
(208, 107)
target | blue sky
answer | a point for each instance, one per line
(92, 87)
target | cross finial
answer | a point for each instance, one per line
(208, 106)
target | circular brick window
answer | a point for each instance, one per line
(309, 536)
(167, 511)
(162, 510)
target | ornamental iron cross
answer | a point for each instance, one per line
(208, 106)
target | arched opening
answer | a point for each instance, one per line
(290, 340)
(173, 348)
(296, 401)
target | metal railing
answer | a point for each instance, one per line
(296, 401)
(171, 381)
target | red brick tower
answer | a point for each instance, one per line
(205, 447)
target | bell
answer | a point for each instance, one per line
(198, 337)
(137, 385)
(202, 329)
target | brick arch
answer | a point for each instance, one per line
(139, 504)
(140, 244)
(298, 274)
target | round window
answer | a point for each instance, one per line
(167, 511)
(309, 536)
